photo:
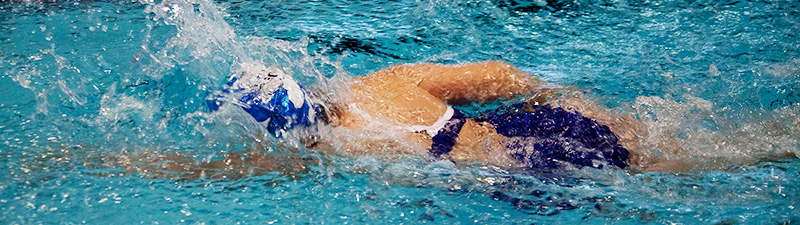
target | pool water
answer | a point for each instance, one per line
(84, 82)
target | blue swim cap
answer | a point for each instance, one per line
(269, 95)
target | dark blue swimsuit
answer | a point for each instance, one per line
(548, 137)
(444, 141)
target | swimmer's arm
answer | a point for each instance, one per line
(232, 166)
(474, 82)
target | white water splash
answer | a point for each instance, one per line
(694, 130)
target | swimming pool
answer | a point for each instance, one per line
(85, 81)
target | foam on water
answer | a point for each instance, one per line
(693, 130)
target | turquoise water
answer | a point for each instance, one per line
(83, 82)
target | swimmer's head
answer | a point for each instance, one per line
(270, 96)
(253, 76)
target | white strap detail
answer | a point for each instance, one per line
(431, 130)
(434, 129)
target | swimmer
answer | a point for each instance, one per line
(545, 132)
(550, 129)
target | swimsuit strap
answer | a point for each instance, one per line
(445, 138)
(434, 129)
(444, 131)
